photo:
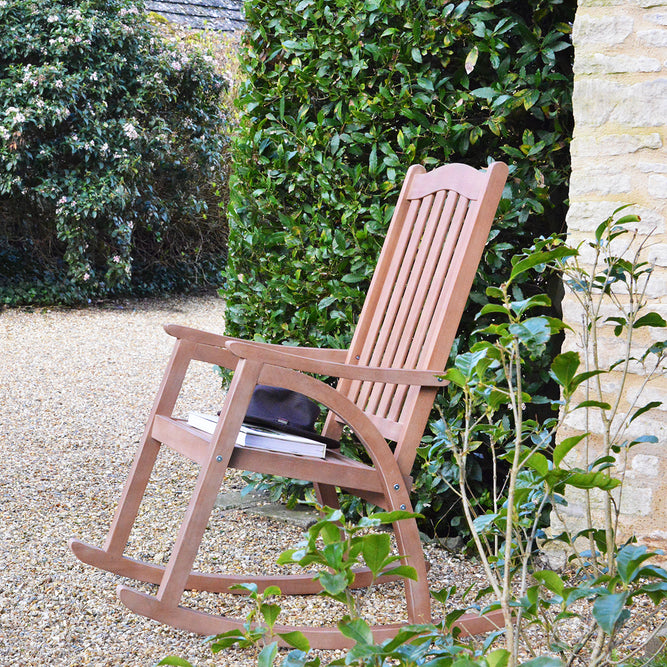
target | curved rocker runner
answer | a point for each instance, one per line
(388, 380)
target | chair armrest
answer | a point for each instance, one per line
(218, 340)
(276, 356)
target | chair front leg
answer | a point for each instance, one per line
(208, 483)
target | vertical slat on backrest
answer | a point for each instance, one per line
(421, 284)
(383, 284)
(400, 332)
(423, 309)
(392, 325)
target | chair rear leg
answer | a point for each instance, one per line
(417, 595)
(326, 495)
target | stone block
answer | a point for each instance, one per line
(233, 500)
(302, 517)
(652, 167)
(585, 216)
(600, 63)
(636, 500)
(657, 186)
(659, 18)
(655, 38)
(657, 254)
(598, 145)
(648, 466)
(657, 288)
(594, 100)
(607, 30)
(643, 104)
(602, 179)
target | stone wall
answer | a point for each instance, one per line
(619, 157)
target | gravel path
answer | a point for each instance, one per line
(76, 387)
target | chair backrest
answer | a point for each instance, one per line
(419, 290)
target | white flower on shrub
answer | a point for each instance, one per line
(130, 131)
(18, 115)
(58, 83)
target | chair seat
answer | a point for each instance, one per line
(196, 445)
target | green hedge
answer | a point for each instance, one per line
(341, 96)
(111, 154)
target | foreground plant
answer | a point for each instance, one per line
(336, 547)
(602, 591)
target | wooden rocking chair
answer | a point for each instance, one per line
(388, 380)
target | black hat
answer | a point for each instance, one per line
(286, 411)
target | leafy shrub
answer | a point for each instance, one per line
(340, 98)
(111, 154)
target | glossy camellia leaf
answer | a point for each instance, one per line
(608, 610)
(375, 550)
(551, 580)
(356, 629)
(297, 640)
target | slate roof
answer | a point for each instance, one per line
(224, 15)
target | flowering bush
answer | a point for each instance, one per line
(111, 153)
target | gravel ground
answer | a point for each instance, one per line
(76, 387)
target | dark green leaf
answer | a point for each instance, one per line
(645, 408)
(356, 629)
(551, 580)
(565, 446)
(607, 610)
(333, 583)
(375, 549)
(650, 320)
(405, 571)
(296, 639)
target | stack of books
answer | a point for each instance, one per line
(263, 438)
